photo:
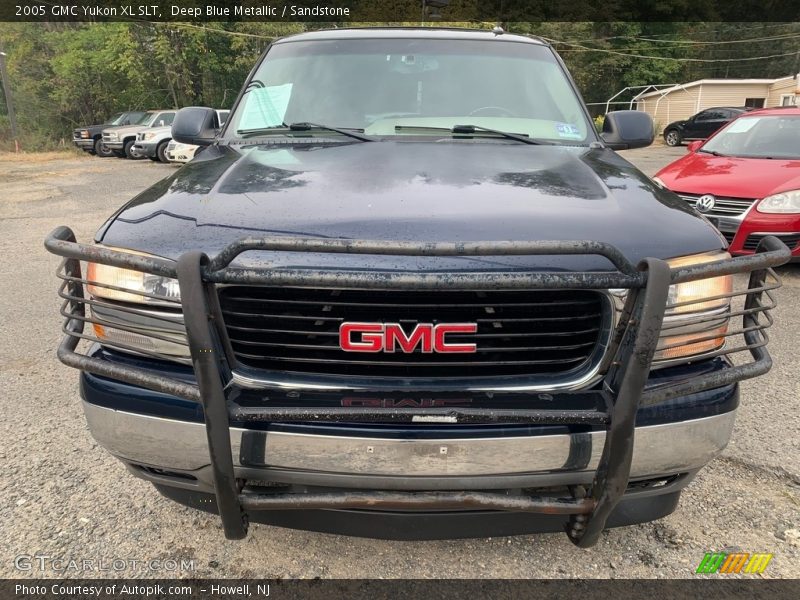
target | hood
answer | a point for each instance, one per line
(160, 132)
(405, 190)
(703, 173)
(126, 129)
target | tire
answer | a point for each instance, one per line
(161, 152)
(100, 149)
(129, 150)
(672, 137)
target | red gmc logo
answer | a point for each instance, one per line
(388, 337)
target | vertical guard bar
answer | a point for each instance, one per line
(72, 269)
(635, 354)
(756, 282)
(196, 316)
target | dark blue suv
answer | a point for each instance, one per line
(408, 291)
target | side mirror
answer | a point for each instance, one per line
(694, 146)
(627, 129)
(196, 125)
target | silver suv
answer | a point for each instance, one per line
(120, 140)
(156, 143)
(152, 143)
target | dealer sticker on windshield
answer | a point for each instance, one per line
(569, 131)
(265, 107)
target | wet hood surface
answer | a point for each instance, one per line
(407, 190)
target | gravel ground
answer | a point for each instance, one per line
(61, 495)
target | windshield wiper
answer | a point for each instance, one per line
(468, 129)
(304, 127)
(713, 152)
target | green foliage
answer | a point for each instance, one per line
(69, 74)
(599, 120)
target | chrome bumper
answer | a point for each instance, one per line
(466, 463)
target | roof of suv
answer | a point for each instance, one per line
(439, 33)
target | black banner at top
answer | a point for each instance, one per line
(402, 11)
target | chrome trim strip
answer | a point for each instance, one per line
(181, 446)
(775, 233)
(303, 381)
(690, 317)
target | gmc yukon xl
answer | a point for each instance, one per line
(407, 291)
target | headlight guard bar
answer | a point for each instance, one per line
(614, 404)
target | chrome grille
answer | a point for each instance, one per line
(723, 207)
(518, 332)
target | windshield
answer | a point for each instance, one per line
(765, 136)
(402, 86)
(146, 118)
(115, 119)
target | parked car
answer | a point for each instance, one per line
(745, 179)
(183, 153)
(409, 291)
(90, 137)
(152, 143)
(180, 153)
(701, 125)
(120, 140)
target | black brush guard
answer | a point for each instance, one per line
(626, 365)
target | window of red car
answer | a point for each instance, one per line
(758, 136)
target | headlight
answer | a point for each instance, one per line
(689, 296)
(137, 312)
(127, 285)
(112, 136)
(84, 134)
(785, 202)
(148, 136)
(697, 320)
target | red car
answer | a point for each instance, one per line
(745, 179)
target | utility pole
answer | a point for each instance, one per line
(12, 118)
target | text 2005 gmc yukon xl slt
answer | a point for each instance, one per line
(407, 291)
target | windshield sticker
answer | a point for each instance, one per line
(266, 106)
(743, 125)
(568, 130)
